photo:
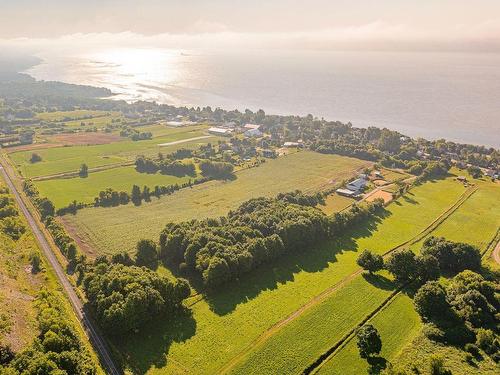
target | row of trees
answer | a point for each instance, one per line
(165, 166)
(10, 223)
(57, 349)
(216, 170)
(258, 231)
(437, 256)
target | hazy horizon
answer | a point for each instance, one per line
(452, 25)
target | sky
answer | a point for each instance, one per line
(316, 24)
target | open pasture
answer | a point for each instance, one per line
(67, 159)
(80, 114)
(224, 326)
(119, 228)
(395, 333)
(63, 191)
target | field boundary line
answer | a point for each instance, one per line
(332, 289)
(340, 344)
(492, 244)
(74, 173)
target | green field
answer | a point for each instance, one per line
(63, 191)
(116, 229)
(476, 221)
(298, 345)
(67, 159)
(223, 326)
(76, 115)
(398, 324)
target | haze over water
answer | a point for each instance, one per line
(433, 95)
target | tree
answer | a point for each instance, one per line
(84, 171)
(430, 301)
(35, 263)
(146, 194)
(370, 262)
(136, 196)
(146, 254)
(474, 171)
(46, 207)
(402, 265)
(369, 341)
(35, 158)
(427, 268)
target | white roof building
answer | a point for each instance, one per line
(252, 126)
(220, 131)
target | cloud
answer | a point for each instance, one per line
(377, 35)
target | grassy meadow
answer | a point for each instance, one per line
(68, 159)
(109, 230)
(224, 326)
(395, 332)
(63, 191)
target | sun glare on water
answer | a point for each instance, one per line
(133, 73)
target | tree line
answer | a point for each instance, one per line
(10, 222)
(258, 231)
(165, 166)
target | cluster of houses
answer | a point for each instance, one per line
(354, 188)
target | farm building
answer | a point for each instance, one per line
(253, 133)
(251, 126)
(220, 131)
(357, 185)
(346, 193)
(292, 144)
(267, 153)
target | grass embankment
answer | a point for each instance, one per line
(68, 159)
(19, 286)
(109, 230)
(224, 327)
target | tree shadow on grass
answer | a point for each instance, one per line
(150, 346)
(379, 281)
(269, 276)
(377, 365)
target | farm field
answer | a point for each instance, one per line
(67, 159)
(63, 191)
(305, 339)
(476, 221)
(109, 230)
(395, 333)
(223, 326)
(75, 115)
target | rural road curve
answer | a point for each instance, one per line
(87, 324)
(185, 140)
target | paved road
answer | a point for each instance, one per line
(185, 140)
(87, 324)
